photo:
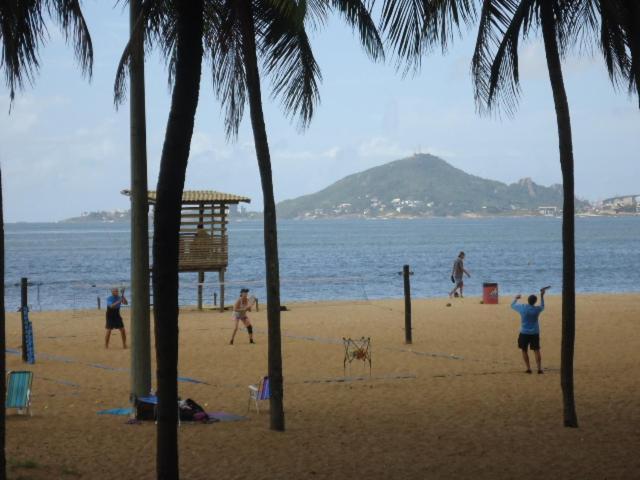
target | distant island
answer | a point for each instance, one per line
(424, 186)
(124, 216)
(103, 216)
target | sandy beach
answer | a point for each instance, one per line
(455, 404)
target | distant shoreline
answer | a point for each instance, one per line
(470, 216)
(505, 299)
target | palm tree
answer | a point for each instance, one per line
(275, 32)
(140, 324)
(177, 26)
(22, 33)
(233, 31)
(415, 26)
(496, 78)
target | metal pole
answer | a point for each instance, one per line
(24, 305)
(140, 318)
(407, 305)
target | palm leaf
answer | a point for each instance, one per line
(495, 60)
(157, 24)
(358, 15)
(414, 27)
(23, 31)
(223, 47)
(288, 59)
(71, 19)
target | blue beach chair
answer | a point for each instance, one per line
(19, 391)
(259, 392)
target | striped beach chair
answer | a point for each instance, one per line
(258, 393)
(19, 391)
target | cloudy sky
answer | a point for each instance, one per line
(64, 148)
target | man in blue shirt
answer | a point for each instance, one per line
(529, 328)
(114, 320)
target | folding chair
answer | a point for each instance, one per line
(258, 392)
(19, 391)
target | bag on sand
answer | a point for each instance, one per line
(145, 410)
(190, 411)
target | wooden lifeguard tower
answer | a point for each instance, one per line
(204, 244)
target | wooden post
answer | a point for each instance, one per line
(221, 280)
(200, 288)
(200, 274)
(407, 305)
(24, 306)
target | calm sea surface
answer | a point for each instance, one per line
(71, 265)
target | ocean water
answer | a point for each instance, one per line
(69, 265)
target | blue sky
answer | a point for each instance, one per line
(64, 148)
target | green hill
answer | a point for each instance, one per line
(422, 185)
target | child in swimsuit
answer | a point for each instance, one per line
(240, 309)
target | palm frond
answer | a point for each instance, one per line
(615, 25)
(69, 14)
(223, 47)
(22, 32)
(358, 15)
(288, 58)
(403, 24)
(414, 27)
(155, 23)
(632, 30)
(495, 60)
(612, 41)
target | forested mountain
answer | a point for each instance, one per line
(421, 185)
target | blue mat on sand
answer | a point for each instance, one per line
(116, 411)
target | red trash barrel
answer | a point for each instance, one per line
(490, 293)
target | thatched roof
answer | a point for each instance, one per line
(201, 196)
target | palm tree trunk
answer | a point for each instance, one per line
(140, 321)
(270, 224)
(173, 165)
(3, 364)
(568, 213)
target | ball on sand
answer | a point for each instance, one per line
(448, 304)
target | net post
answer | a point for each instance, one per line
(24, 306)
(407, 305)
